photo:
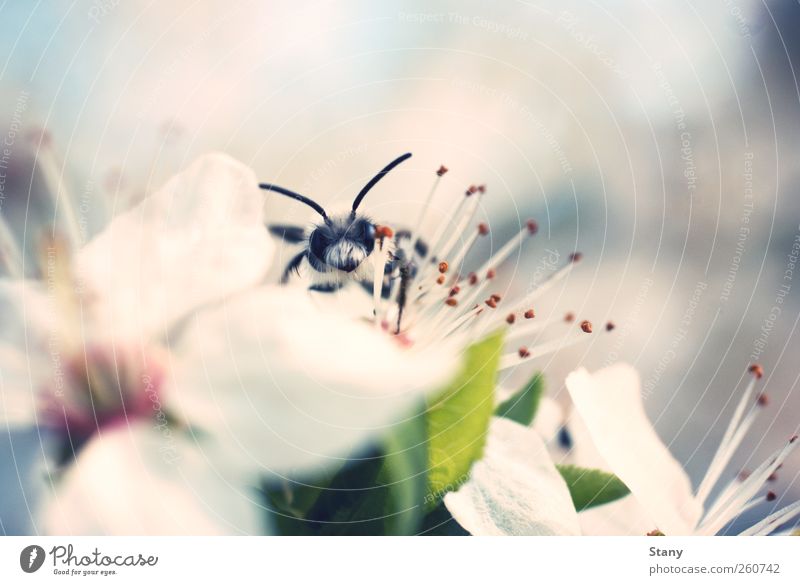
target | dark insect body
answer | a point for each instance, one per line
(338, 249)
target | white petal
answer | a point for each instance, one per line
(514, 489)
(196, 240)
(287, 386)
(30, 336)
(610, 403)
(138, 481)
(549, 418)
(584, 452)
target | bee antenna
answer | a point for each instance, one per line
(376, 178)
(301, 198)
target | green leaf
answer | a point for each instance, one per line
(592, 487)
(381, 493)
(458, 419)
(439, 522)
(352, 503)
(522, 406)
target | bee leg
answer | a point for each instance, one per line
(420, 245)
(293, 265)
(326, 287)
(405, 274)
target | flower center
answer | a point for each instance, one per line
(102, 386)
(432, 298)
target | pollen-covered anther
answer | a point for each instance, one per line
(383, 231)
(483, 229)
(532, 226)
(491, 303)
(569, 317)
(586, 326)
(471, 190)
(771, 496)
(763, 399)
(440, 280)
(451, 302)
(529, 314)
(472, 278)
(455, 290)
(443, 267)
(756, 370)
(442, 170)
(523, 352)
(575, 257)
(610, 326)
(490, 274)
(511, 318)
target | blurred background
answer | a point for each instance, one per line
(658, 138)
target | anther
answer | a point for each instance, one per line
(442, 267)
(483, 229)
(586, 326)
(473, 278)
(756, 370)
(440, 280)
(491, 273)
(511, 318)
(569, 317)
(610, 326)
(471, 190)
(455, 290)
(481, 189)
(491, 303)
(763, 399)
(771, 496)
(442, 170)
(451, 302)
(383, 231)
(533, 227)
(523, 352)
(575, 257)
(743, 475)
(496, 298)
(529, 314)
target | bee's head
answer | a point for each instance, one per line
(343, 242)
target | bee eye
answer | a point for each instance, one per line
(317, 243)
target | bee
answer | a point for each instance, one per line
(337, 249)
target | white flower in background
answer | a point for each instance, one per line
(82, 352)
(610, 405)
(515, 489)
